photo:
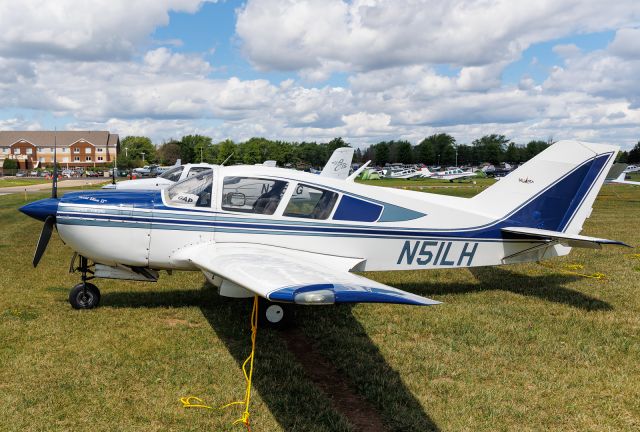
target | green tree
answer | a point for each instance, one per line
(535, 147)
(634, 154)
(135, 147)
(512, 154)
(10, 164)
(381, 153)
(169, 152)
(404, 152)
(443, 148)
(196, 148)
(226, 148)
(491, 148)
(425, 152)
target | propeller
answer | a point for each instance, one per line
(45, 210)
(43, 241)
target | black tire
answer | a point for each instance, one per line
(84, 296)
(274, 315)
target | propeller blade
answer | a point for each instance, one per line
(43, 241)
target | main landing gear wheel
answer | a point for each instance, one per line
(85, 295)
(274, 315)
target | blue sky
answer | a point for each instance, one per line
(317, 69)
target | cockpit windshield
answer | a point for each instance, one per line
(173, 174)
(192, 192)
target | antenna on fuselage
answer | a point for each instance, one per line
(228, 157)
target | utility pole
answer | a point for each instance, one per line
(456, 156)
(200, 154)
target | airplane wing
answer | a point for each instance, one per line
(283, 275)
(573, 240)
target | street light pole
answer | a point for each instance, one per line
(456, 156)
(142, 153)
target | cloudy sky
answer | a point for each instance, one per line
(366, 70)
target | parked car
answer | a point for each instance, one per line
(20, 174)
(33, 173)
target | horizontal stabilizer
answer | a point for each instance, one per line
(572, 240)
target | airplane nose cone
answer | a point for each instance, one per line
(41, 209)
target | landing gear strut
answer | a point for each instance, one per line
(84, 295)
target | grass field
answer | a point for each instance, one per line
(10, 182)
(519, 347)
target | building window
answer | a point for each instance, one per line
(87, 159)
(16, 151)
(100, 149)
(100, 159)
(50, 150)
(65, 150)
(76, 158)
(5, 150)
(29, 151)
(41, 159)
(40, 149)
(76, 150)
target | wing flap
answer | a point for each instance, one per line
(298, 277)
(573, 240)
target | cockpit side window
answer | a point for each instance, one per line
(173, 174)
(192, 192)
(252, 195)
(196, 170)
(310, 202)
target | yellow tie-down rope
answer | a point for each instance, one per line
(571, 269)
(196, 402)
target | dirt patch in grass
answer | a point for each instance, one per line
(357, 411)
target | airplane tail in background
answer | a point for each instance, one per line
(554, 191)
(339, 164)
(424, 172)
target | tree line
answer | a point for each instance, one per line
(438, 149)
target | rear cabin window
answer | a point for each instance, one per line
(252, 195)
(354, 209)
(310, 202)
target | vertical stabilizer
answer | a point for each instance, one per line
(553, 191)
(339, 164)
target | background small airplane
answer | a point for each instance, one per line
(448, 174)
(617, 174)
(337, 166)
(299, 240)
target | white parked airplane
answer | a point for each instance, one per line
(337, 166)
(448, 174)
(617, 175)
(303, 251)
(401, 173)
(167, 178)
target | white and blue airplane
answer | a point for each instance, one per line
(289, 250)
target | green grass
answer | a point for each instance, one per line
(520, 347)
(10, 182)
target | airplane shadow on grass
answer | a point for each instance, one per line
(284, 385)
(547, 287)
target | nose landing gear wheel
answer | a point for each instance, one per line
(274, 315)
(85, 295)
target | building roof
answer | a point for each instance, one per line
(62, 138)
